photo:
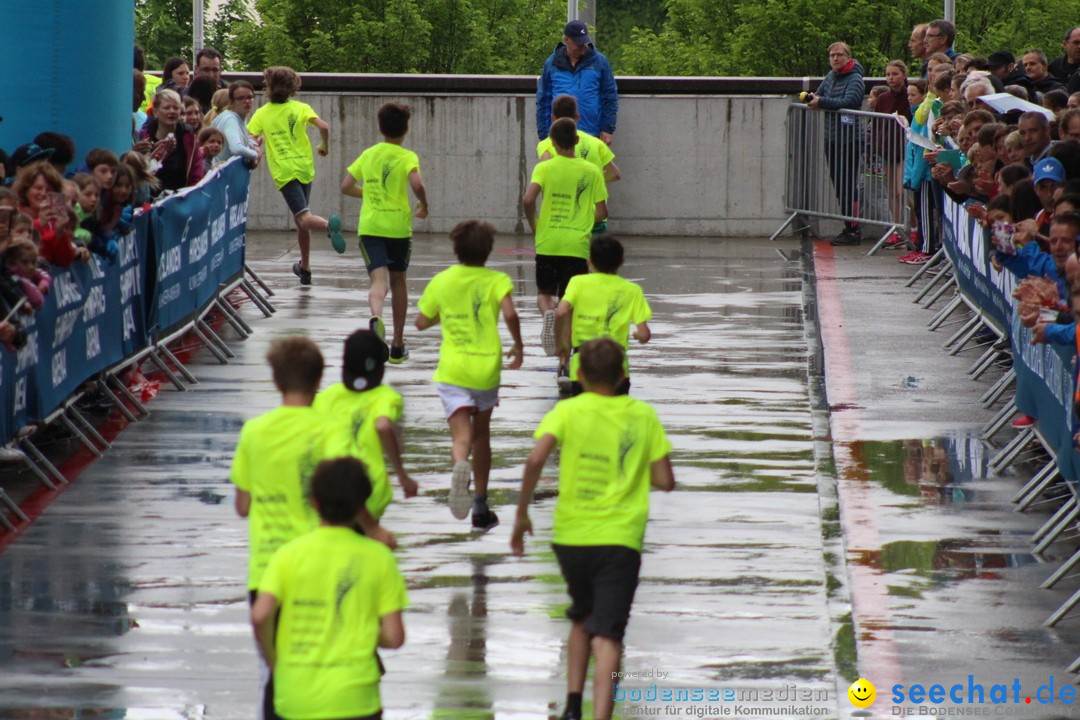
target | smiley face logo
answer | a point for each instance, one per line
(862, 693)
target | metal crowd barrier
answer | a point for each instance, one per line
(845, 165)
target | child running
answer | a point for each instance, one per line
(381, 177)
(326, 602)
(589, 147)
(370, 411)
(601, 304)
(281, 126)
(575, 199)
(613, 449)
(275, 457)
(466, 299)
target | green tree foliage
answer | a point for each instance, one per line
(163, 28)
(222, 29)
(431, 36)
(790, 37)
(616, 20)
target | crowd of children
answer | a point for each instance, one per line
(52, 217)
(312, 475)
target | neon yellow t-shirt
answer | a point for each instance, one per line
(384, 170)
(153, 82)
(589, 148)
(288, 149)
(572, 187)
(608, 446)
(333, 585)
(356, 413)
(466, 300)
(604, 305)
(275, 458)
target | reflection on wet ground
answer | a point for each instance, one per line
(128, 592)
(126, 599)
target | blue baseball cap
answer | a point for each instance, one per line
(578, 32)
(1049, 169)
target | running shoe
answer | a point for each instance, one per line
(460, 499)
(1023, 421)
(547, 335)
(563, 379)
(847, 236)
(333, 231)
(915, 258)
(895, 242)
(304, 275)
(378, 327)
(484, 521)
(398, 354)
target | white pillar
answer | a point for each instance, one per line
(198, 34)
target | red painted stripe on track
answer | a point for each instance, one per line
(878, 655)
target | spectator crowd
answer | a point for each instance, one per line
(1014, 165)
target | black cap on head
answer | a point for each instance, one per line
(364, 360)
(1000, 58)
(578, 32)
(31, 152)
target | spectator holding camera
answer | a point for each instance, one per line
(842, 89)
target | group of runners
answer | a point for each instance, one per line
(312, 476)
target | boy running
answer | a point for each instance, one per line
(381, 177)
(466, 299)
(601, 304)
(326, 602)
(613, 449)
(575, 199)
(370, 411)
(589, 147)
(281, 127)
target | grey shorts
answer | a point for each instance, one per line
(297, 196)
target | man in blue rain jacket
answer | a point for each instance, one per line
(577, 68)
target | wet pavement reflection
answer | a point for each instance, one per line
(126, 598)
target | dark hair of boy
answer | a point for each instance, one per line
(63, 147)
(296, 363)
(339, 489)
(209, 132)
(1056, 100)
(606, 253)
(1014, 173)
(101, 156)
(473, 240)
(564, 106)
(1070, 198)
(1000, 202)
(394, 120)
(988, 134)
(564, 133)
(602, 362)
(363, 361)
(281, 83)
(1070, 219)
(139, 58)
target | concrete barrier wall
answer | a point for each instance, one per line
(692, 165)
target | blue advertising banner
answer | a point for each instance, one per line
(1045, 374)
(98, 313)
(198, 244)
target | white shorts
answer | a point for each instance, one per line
(455, 397)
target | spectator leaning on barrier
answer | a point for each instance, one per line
(175, 145)
(577, 68)
(1034, 131)
(842, 89)
(231, 124)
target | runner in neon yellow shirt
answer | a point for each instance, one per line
(588, 148)
(466, 299)
(575, 199)
(369, 412)
(613, 449)
(280, 126)
(601, 304)
(381, 177)
(276, 455)
(327, 600)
